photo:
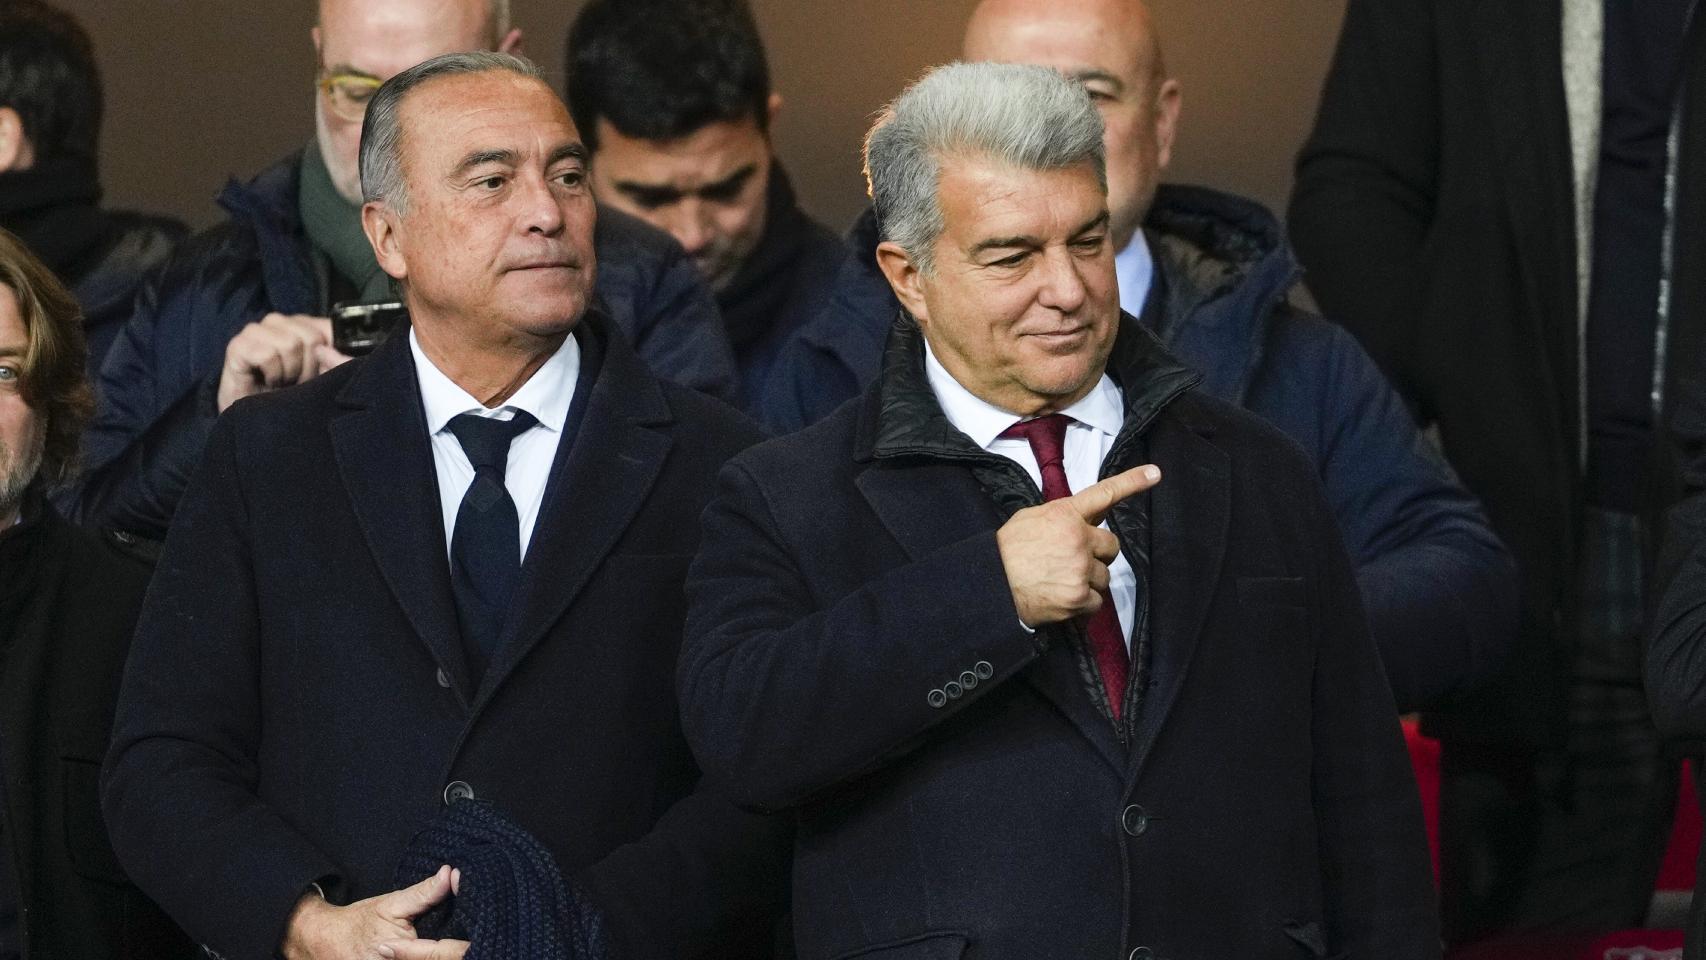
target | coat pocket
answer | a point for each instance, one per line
(86, 842)
(936, 945)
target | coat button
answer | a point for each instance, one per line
(457, 791)
(1134, 820)
(984, 669)
(443, 680)
(953, 690)
(937, 699)
(1142, 953)
(968, 680)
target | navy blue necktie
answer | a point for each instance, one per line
(485, 548)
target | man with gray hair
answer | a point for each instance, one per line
(450, 572)
(244, 307)
(1025, 697)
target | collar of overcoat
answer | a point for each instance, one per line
(919, 485)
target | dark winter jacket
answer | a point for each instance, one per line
(1439, 588)
(782, 285)
(101, 255)
(68, 603)
(157, 388)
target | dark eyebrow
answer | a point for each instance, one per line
(1099, 222)
(1002, 243)
(568, 151)
(481, 157)
(658, 194)
(729, 182)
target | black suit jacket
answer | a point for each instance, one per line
(1262, 806)
(297, 705)
(1434, 210)
(59, 677)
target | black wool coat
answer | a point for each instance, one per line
(1434, 212)
(59, 678)
(297, 705)
(854, 656)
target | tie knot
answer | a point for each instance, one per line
(486, 439)
(1046, 435)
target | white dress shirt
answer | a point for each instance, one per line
(1134, 270)
(546, 395)
(1096, 422)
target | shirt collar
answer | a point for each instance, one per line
(984, 422)
(546, 395)
(1134, 269)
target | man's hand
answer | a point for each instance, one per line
(1056, 556)
(278, 350)
(370, 929)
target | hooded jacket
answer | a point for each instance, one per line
(1439, 587)
(157, 389)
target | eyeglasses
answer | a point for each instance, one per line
(348, 93)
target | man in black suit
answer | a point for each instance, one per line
(312, 679)
(1022, 704)
(1505, 203)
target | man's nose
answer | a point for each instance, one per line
(543, 211)
(690, 224)
(1062, 281)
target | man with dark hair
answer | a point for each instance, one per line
(242, 307)
(50, 121)
(68, 604)
(451, 572)
(674, 99)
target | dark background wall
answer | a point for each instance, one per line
(199, 90)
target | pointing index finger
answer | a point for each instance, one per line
(1094, 502)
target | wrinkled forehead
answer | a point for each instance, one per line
(383, 38)
(447, 120)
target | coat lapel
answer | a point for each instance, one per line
(1520, 53)
(385, 459)
(927, 506)
(1190, 511)
(599, 481)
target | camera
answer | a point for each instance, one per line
(357, 328)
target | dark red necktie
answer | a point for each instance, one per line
(1047, 437)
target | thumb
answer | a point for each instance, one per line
(410, 902)
(1094, 502)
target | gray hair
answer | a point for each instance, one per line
(1030, 117)
(382, 131)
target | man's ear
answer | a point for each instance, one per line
(1168, 102)
(379, 222)
(904, 278)
(15, 150)
(511, 42)
(772, 108)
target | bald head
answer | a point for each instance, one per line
(379, 39)
(1113, 49)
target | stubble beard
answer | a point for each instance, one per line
(17, 473)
